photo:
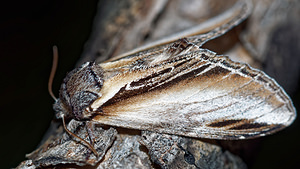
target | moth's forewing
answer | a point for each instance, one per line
(193, 93)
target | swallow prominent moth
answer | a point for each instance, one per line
(178, 88)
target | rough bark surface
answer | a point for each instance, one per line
(120, 26)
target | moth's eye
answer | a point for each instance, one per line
(80, 102)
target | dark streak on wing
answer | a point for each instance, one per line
(263, 131)
(248, 125)
(262, 79)
(230, 64)
(124, 94)
(184, 62)
(162, 84)
(148, 78)
(253, 134)
(242, 125)
(205, 57)
(224, 123)
(216, 71)
(246, 72)
(239, 122)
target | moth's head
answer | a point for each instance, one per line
(80, 88)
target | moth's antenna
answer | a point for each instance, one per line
(53, 70)
(74, 135)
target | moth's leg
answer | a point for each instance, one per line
(90, 127)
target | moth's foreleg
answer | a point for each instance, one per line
(90, 128)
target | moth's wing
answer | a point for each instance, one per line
(199, 34)
(196, 94)
(231, 18)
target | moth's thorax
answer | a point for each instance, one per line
(79, 90)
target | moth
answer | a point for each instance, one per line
(178, 88)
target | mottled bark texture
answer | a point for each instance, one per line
(120, 26)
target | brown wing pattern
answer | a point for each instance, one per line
(197, 94)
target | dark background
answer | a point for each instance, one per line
(29, 29)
